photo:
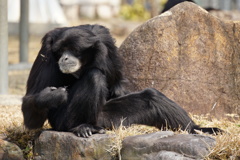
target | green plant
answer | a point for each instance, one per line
(135, 12)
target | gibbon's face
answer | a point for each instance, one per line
(68, 63)
(73, 49)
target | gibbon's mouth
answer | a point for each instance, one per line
(69, 68)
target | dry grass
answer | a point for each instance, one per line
(227, 146)
(12, 128)
(123, 132)
(10, 116)
(22, 138)
(228, 143)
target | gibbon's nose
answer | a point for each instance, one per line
(64, 58)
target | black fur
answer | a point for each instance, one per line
(172, 3)
(93, 97)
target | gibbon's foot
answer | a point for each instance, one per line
(86, 130)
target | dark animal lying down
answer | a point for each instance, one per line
(76, 83)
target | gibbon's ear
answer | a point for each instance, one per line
(47, 43)
(46, 49)
(89, 41)
(101, 55)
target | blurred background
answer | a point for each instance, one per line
(120, 16)
(45, 14)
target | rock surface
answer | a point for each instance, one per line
(67, 146)
(158, 145)
(166, 145)
(189, 55)
(10, 151)
(166, 155)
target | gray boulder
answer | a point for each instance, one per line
(166, 145)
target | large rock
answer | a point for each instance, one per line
(67, 146)
(189, 55)
(166, 145)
